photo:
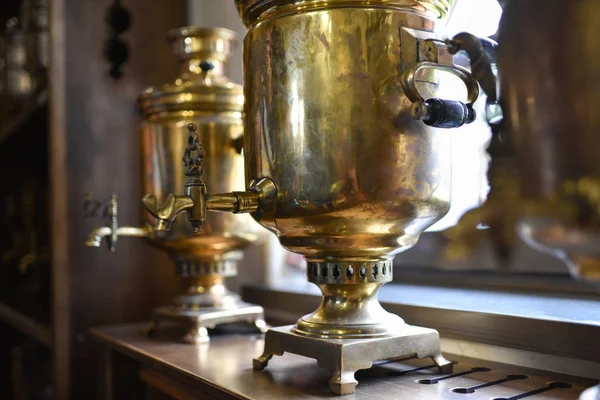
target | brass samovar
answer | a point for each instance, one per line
(336, 165)
(545, 121)
(204, 100)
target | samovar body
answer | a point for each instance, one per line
(164, 136)
(326, 119)
(358, 179)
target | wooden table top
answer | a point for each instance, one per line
(223, 368)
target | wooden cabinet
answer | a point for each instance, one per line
(76, 135)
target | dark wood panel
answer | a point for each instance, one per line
(94, 146)
(26, 325)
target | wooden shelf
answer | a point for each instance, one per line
(26, 325)
(36, 102)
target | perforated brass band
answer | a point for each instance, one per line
(349, 272)
(222, 268)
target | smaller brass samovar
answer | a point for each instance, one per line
(203, 100)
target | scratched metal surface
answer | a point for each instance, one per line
(223, 366)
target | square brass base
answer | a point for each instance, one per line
(200, 320)
(346, 356)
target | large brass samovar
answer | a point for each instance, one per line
(545, 122)
(203, 97)
(336, 165)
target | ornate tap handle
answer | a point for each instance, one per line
(194, 154)
(195, 201)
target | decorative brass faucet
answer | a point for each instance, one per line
(113, 231)
(259, 199)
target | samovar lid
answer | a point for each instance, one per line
(252, 10)
(202, 85)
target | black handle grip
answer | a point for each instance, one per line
(448, 113)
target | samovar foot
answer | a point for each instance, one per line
(196, 335)
(198, 321)
(261, 325)
(346, 356)
(343, 382)
(444, 366)
(271, 349)
(260, 363)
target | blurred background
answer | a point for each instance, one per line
(70, 72)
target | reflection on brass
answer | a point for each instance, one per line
(201, 104)
(547, 116)
(337, 167)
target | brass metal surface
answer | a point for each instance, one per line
(330, 146)
(357, 179)
(200, 106)
(351, 179)
(329, 126)
(202, 98)
(345, 357)
(221, 369)
(255, 11)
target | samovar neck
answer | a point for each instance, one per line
(194, 68)
(203, 50)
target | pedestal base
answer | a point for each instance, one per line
(200, 320)
(346, 356)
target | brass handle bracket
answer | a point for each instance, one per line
(482, 56)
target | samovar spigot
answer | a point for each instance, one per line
(196, 201)
(112, 232)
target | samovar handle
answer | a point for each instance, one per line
(482, 54)
(436, 112)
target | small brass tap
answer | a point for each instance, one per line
(196, 201)
(112, 232)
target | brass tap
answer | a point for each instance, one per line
(195, 201)
(112, 232)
